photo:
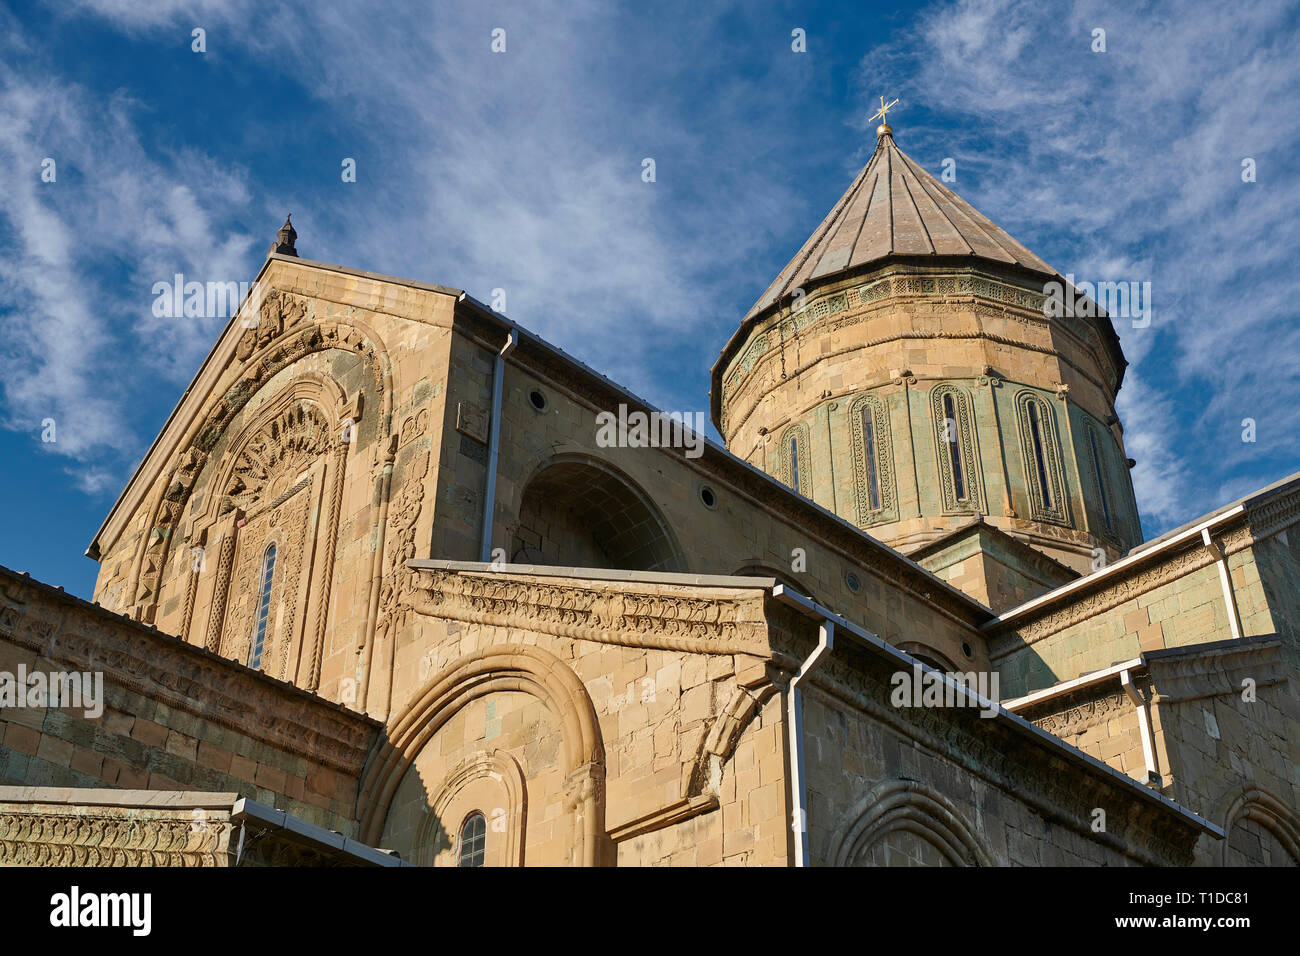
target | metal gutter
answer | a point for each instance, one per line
(1065, 687)
(1073, 754)
(494, 446)
(794, 725)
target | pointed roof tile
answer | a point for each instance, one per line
(894, 207)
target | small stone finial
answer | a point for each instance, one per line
(284, 239)
(884, 129)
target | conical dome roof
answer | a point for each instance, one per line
(895, 208)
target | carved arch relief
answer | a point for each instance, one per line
(520, 668)
(1040, 451)
(905, 815)
(1253, 805)
(492, 784)
(1097, 455)
(796, 460)
(873, 461)
(956, 446)
(280, 485)
(285, 333)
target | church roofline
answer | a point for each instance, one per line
(93, 550)
(726, 459)
(1187, 535)
(530, 341)
(741, 335)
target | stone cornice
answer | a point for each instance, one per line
(1215, 670)
(84, 636)
(668, 618)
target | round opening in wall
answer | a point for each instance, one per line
(708, 497)
(853, 581)
(537, 400)
(966, 649)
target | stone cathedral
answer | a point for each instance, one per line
(377, 596)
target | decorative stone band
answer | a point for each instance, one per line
(180, 675)
(73, 826)
(666, 619)
(37, 828)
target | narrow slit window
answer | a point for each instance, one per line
(952, 433)
(473, 840)
(869, 454)
(263, 607)
(1101, 480)
(1040, 453)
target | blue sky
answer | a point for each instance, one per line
(522, 171)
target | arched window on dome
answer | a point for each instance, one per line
(795, 469)
(873, 465)
(263, 607)
(1099, 471)
(955, 449)
(1041, 452)
(473, 840)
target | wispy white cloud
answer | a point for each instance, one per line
(522, 171)
(81, 346)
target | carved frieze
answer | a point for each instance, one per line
(278, 345)
(603, 615)
(89, 837)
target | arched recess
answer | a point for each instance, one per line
(956, 449)
(909, 807)
(462, 792)
(928, 655)
(1255, 805)
(873, 461)
(284, 335)
(285, 465)
(521, 668)
(579, 511)
(1040, 451)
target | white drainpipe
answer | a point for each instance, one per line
(1220, 559)
(494, 445)
(794, 715)
(1144, 727)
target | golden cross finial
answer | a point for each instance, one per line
(883, 113)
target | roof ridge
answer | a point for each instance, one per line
(813, 241)
(996, 234)
(934, 202)
(966, 209)
(920, 218)
(857, 236)
(944, 224)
